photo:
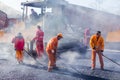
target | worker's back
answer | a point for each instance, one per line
(18, 42)
(52, 44)
(40, 35)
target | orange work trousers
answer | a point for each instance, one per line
(19, 55)
(93, 58)
(52, 59)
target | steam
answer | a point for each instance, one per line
(9, 11)
(70, 57)
(27, 32)
(69, 19)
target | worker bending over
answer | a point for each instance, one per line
(51, 51)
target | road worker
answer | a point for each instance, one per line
(51, 50)
(34, 16)
(86, 37)
(97, 45)
(39, 41)
(19, 47)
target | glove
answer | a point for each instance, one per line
(53, 51)
(102, 51)
(94, 48)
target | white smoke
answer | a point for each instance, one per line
(54, 24)
(71, 57)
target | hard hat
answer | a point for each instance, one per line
(99, 32)
(19, 34)
(38, 26)
(32, 9)
(60, 35)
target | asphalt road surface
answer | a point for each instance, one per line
(72, 66)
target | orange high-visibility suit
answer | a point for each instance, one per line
(52, 46)
(19, 55)
(39, 42)
(19, 46)
(98, 44)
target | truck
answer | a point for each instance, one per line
(3, 22)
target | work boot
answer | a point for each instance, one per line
(49, 69)
(102, 68)
(21, 62)
(92, 68)
(55, 67)
(18, 62)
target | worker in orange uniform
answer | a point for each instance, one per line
(19, 46)
(39, 41)
(97, 45)
(51, 51)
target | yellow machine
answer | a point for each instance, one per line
(113, 36)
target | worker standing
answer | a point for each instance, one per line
(97, 45)
(86, 37)
(19, 46)
(39, 41)
(51, 51)
(34, 16)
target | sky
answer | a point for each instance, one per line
(16, 4)
(111, 6)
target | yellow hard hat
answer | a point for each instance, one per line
(60, 35)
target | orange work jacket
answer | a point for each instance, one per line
(52, 44)
(98, 44)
